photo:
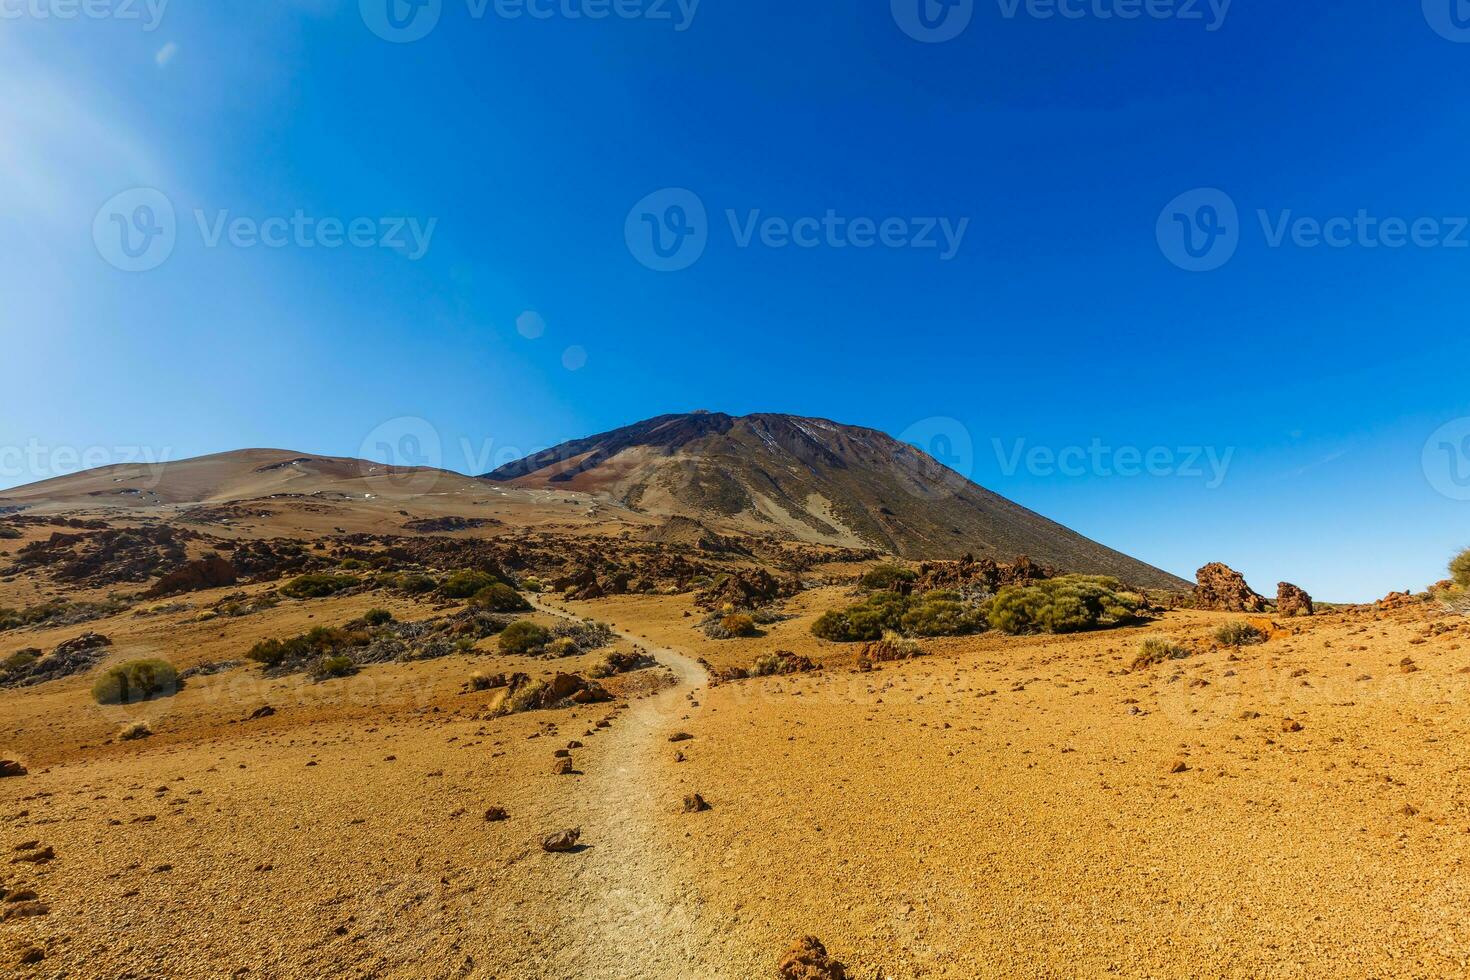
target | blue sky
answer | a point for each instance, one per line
(520, 148)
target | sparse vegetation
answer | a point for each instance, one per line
(1156, 650)
(464, 584)
(499, 597)
(134, 730)
(414, 583)
(1068, 604)
(19, 661)
(136, 680)
(886, 578)
(377, 617)
(739, 624)
(1238, 633)
(59, 612)
(533, 585)
(1460, 569)
(330, 666)
(780, 662)
(936, 613)
(318, 585)
(523, 636)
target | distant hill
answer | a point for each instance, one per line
(815, 480)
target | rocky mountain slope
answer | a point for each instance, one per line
(815, 480)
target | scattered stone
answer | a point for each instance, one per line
(31, 954)
(264, 711)
(680, 737)
(1291, 725)
(563, 767)
(1179, 766)
(1223, 589)
(694, 803)
(808, 960)
(496, 814)
(9, 767)
(42, 855)
(24, 910)
(562, 841)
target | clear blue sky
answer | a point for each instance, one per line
(1061, 318)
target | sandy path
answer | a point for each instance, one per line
(626, 903)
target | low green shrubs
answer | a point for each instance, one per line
(499, 597)
(317, 585)
(523, 636)
(739, 625)
(1239, 634)
(1068, 604)
(1460, 569)
(1156, 650)
(136, 680)
(887, 578)
(414, 583)
(465, 583)
(319, 641)
(333, 665)
(936, 613)
(377, 617)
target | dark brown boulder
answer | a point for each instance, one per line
(9, 767)
(212, 572)
(561, 842)
(1293, 601)
(808, 960)
(1223, 589)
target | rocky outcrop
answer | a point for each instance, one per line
(984, 574)
(1223, 589)
(212, 572)
(808, 960)
(747, 589)
(1293, 601)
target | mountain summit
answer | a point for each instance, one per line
(816, 480)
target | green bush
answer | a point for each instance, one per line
(739, 624)
(19, 661)
(883, 578)
(1460, 569)
(523, 636)
(414, 583)
(136, 680)
(499, 597)
(464, 583)
(333, 665)
(1063, 605)
(1239, 634)
(316, 585)
(533, 585)
(1156, 650)
(377, 617)
(937, 613)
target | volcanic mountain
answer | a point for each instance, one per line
(815, 480)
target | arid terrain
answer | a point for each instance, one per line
(371, 799)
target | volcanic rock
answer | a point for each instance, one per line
(1293, 601)
(1223, 589)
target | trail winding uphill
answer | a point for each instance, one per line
(625, 903)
